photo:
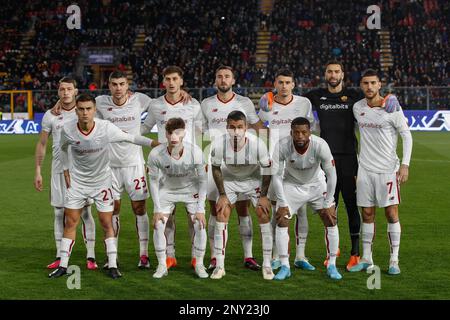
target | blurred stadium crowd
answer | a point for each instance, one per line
(199, 35)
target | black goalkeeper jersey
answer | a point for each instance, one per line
(335, 113)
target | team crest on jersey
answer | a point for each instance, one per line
(344, 98)
(214, 110)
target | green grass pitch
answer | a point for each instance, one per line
(27, 245)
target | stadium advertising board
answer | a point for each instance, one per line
(418, 120)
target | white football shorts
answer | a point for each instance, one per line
(131, 179)
(376, 189)
(77, 196)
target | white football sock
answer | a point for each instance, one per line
(282, 240)
(65, 251)
(199, 243)
(301, 233)
(159, 240)
(170, 236)
(88, 231)
(332, 242)
(394, 232)
(143, 233)
(267, 243)
(273, 223)
(246, 232)
(367, 236)
(111, 252)
(211, 227)
(58, 228)
(220, 243)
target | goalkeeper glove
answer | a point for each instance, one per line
(266, 102)
(391, 104)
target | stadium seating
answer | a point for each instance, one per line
(200, 35)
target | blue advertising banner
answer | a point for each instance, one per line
(418, 120)
(422, 120)
(19, 126)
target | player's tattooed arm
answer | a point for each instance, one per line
(223, 200)
(218, 179)
(265, 185)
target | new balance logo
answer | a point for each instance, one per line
(323, 98)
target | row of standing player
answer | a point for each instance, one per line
(218, 111)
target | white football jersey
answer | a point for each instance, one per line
(245, 164)
(160, 110)
(302, 168)
(90, 152)
(378, 137)
(215, 112)
(279, 118)
(128, 118)
(177, 175)
(53, 125)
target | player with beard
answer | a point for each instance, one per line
(215, 111)
(334, 106)
(380, 171)
(241, 166)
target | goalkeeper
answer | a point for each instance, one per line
(334, 107)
